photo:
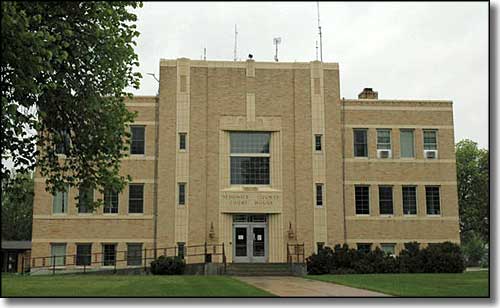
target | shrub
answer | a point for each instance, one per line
(321, 262)
(168, 266)
(474, 249)
(443, 258)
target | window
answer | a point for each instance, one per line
(430, 139)
(135, 198)
(362, 196)
(85, 199)
(320, 245)
(83, 254)
(385, 200)
(319, 195)
(383, 139)
(182, 193)
(62, 141)
(432, 200)
(109, 254)
(317, 142)
(182, 141)
(58, 254)
(389, 249)
(364, 247)
(409, 200)
(137, 144)
(250, 158)
(60, 202)
(360, 143)
(181, 249)
(407, 143)
(134, 254)
(110, 201)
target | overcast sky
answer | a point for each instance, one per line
(402, 50)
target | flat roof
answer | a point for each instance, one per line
(16, 244)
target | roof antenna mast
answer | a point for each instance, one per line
(276, 41)
(235, 42)
(320, 36)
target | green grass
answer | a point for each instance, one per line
(446, 285)
(110, 285)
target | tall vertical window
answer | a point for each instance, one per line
(60, 202)
(319, 195)
(62, 141)
(85, 198)
(362, 196)
(407, 143)
(182, 141)
(317, 142)
(136, 198)
(432, 200)
(181, 249)
(360, 143)
(58, 254)
(430, 139)
(182, 193)
(250, 158)
(109, 254)
(110, 201)
(137, 144)
(385, 200)
(409, 200)
(134, 254)
(383, 139)
(83, 254)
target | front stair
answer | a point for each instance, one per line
(258, 269)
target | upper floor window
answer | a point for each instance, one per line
(182, 141)
(137, 143)
(360, 143)
(136, 198)
(110, 201)
(407, 143)
(317, 142)
(409, 200)
(362, 199)
(250, 158)
(182, 193)
(85, 199)
(383, 139)
(385, 200)
(60, 202)
(62, 141)
(432, 200)
(430, 139)
(319, 195)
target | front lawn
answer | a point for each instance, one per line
(126, 285)
(446, 285)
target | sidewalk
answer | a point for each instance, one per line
(295, 286)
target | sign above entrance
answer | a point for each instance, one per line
(250, 202)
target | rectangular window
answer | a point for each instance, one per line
(85, 199)
(58, 254)
(320, 245)
(432, 200)
(360, 143)
(137, 143)
(181, 249)
(250, 158)
(60, 202)
(182, 141)
(407, 143)
(136, 198)
(364, 247)
(134, 254)
(110, 201)
(389, 249)
(319, 195)
(182, 193)
(83, 254)
(409, 200)
(109, 254)
(62, 142)
(430, 139)
(383, 139)
(385, 200)
(317, 142)
(362, 196)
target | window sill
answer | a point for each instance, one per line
(60, 214)
(85, 214)
(135, 214)
(110, 214)
(387, 215)
(410, 215)
(320, 206)
(434, 215)
(360, 157)
(363, 215)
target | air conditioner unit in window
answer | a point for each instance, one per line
(430, 154)
(384, 153)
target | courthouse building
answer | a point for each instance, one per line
(259, 155)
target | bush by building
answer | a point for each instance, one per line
(168, 266)
(435, 258)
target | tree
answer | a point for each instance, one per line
(473, 189)
(64, 68)
(17, 208)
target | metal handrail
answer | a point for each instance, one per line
(295, 251)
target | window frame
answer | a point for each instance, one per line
(427, 130)
(354, 153)
(184, 199)
(91, 198)
(251, 155)
(390, 139)
(181, 249)
(413, 143)
(56, 259)
(358, 248)
(65, 196)
(355, 200)
(106, 199)
(438, 200)
(134, 258)
(183, 141)
(103, 254)
(143, 127)
(403, 199)
(393, 254)
(135, 199)
(319, 195)
(318, 137)
(78, 257)
(380, 200)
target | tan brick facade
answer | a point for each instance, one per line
(294, 102)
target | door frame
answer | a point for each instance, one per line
(250, 258)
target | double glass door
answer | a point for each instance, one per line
(250, 244)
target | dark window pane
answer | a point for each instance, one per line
(137, 143)
(252, 142)
(182, 141)
(62, 141)
(136, 198)
(250, 170)
(432, 200)
(110, 201)
(430, 140)
(362, 197)
(360, 143)
(182, 193)
(83, 254)
(409, 200)
(319, 194)
(85, 199)
(364, 247)
(318, 142)
(134, 254)
(181, 250)
(109, 254)
(385, 200)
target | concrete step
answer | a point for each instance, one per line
(258, 269)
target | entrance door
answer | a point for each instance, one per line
(241, 251)
(258, 244)
(250, 239)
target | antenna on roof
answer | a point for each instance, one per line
(205, 54)
(276, 41)
(320, 36)
(316, 50)
(235, 42)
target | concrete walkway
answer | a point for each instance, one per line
(295, 286)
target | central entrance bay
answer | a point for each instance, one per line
(250, 238)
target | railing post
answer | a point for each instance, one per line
(53, 265)
(145, 259)
(84, 267)
(205, 254)
(22, 264)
